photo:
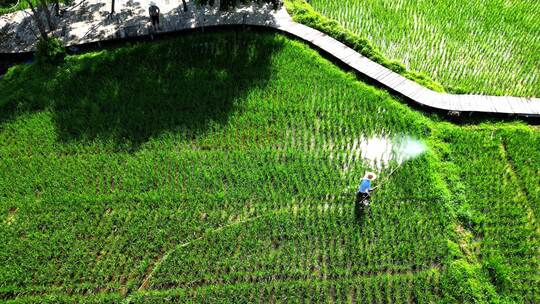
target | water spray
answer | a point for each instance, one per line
(380, 151)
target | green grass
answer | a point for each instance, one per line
(488, 47)
(222, 168)
(10, 6)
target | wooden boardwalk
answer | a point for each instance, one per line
(132, 21)
(519, 106)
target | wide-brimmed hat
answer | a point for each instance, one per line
(368, 174)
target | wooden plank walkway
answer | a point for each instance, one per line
(88, 23)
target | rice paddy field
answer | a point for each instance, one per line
(488, 47)
(222, 168)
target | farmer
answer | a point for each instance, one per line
(362, 194)
(154, 11)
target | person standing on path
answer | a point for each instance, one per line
(154, 12)
(185, 5)
(362, 194)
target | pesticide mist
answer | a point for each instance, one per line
(379, 151)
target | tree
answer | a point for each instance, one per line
(38, 21)
(45, 8)
(112, 8)
(50, 52)
(36, 14)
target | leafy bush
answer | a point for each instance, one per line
(50, 51)
(9, 6)
(7, 3)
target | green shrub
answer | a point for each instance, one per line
(7, 3)
(50, 51)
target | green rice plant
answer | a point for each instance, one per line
(488, 47)
(507, 232)
(521, 147)
(149, 174)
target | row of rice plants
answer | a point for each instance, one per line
(485, 47)
(222, 194)
(421, 287)
(232, 198)
(269, 119)
(254, 189)
(523, 153)
(50, 178)
(278, 115)
(90, 245)
(310, 243)
(500, 214)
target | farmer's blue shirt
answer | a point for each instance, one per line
(365, 185)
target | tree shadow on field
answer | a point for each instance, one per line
(185, 84)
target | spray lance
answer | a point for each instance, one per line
(387, 177)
